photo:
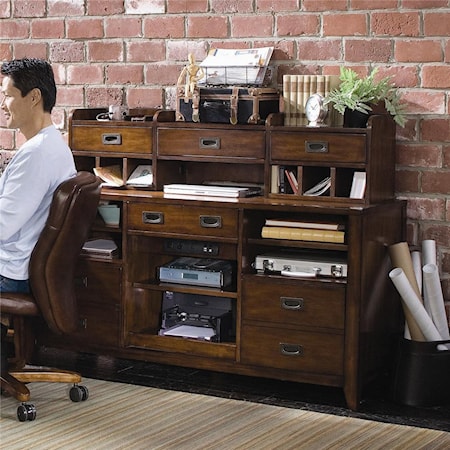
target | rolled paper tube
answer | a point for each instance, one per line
(416, 259)
(401, 257)
(414, 305)
(435, 298)
(429, 252)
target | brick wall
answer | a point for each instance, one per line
(132, 51)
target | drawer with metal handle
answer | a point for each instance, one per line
(211, 221)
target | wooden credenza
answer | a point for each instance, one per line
(334, 331)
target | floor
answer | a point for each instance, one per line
(377, 404)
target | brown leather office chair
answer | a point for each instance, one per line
(52, 269)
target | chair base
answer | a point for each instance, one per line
(13, 381)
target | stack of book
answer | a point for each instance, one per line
(296, 91)
(100, 248)
(303, 231)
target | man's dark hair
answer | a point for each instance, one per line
(30, 73)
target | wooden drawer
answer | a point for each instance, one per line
(180, 219)
(215, 143)
(97, 282)
(100, 325)
(294, 302)
(114, 139)
(318, 147)
(292, 350)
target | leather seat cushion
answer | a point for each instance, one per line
(18, 304)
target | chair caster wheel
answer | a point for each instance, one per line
(78, 393)
(26, 411)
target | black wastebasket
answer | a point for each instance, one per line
(422, 374)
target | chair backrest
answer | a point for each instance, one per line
(55, 256)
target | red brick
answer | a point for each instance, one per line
(145, 51)
(436, 77)
(82, 28)
(445, 262)
(446, 156)
(6, 136)
(447, 52)
(297, 25)
(59, 119)
(417, 50)
(231, 6)
(5, 9)
(85, 74)
(436, 24)
(179, 50)
(104, 7)
(100, 97)
(345, 25)
(29, 8)
(124, 74)
(30, 50)
(373, 50)
(439, 232)
(437, 182)
(67, 51)
(160, 74)
(423, 4)
(375, 4)
(105, 51)
(424, 102)
(407, 181)
(70, 96)
(409, 132)
(47, 29)
(247, 26)
(5, 52)
(425, 209)
(145, 97)
(164, 27)
(59, 72)
(145, 6)
(276, 5)
(419, 155)
(175, 6)
(435, 130)
(123, 27)
(325, 5)
(207, 26)
(15, 29)
(65, 8)
(395, 24)
(319, 50)
(283, 50)
(401, 76)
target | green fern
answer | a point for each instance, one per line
(359, 94)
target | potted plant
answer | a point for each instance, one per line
(362, 94)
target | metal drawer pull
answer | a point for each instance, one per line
(292, 303)
(111, 139)
(211, 221)
(209, 143)
(291, 349)
(81, 281)
(316, 147)
(152, 217)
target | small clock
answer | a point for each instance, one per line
(315, 110)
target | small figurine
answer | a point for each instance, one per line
(189, 76)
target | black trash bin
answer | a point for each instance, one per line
(422, 374)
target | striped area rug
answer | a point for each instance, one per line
(123, 416)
